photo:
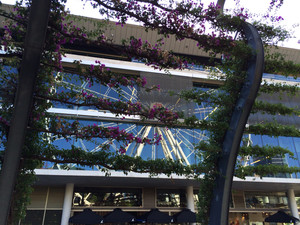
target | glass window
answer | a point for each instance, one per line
(296, 142)
(297, 199)
(67, 82)
(266, 200)
(297, 202)
(107, 197)
(178, 143)
(52, 217)
(33, 217)
(290, 143)
(171, 198)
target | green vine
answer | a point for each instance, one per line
(264, 151)
(274, 129)
(276, 63)
(23, 192)
(271, 88)
(109, 161)
(230, 74)
(273, 109)
(264, 170)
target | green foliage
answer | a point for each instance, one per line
(45, 128)
(265, 170)
(272, 88)
(23, 191)
(112, 161)
(271, 35)
(274, 129)
(274, 109)
(276, 64)
(264, 151)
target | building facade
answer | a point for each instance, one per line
(59, 194)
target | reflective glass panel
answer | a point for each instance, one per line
(170, 198)
(290, 143)
(257, 200)
(107, 197)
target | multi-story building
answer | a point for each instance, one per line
(60, 193)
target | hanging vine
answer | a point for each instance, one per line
(177, 20)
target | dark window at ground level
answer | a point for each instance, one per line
(35, 217)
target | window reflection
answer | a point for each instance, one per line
(107, 197)
(171, 198)
(290, 143)
(266, 200)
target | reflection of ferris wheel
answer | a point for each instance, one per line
(175, 144)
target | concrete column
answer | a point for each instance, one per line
(67, 204)
(292, 203)
(190, 198)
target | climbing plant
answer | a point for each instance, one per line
(217, 33)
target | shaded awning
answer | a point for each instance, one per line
(86, 217)
(185, 216)
(155, 216)
(281, 217)
(118, 216)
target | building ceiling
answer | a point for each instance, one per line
(51, 177)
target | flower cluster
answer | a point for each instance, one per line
(74, 129)
(175, 22)
(184, 20)
(162, 114)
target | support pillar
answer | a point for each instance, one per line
(219, 206)
(67, 204)
(190, 198)
(33, 48)
(292, 203)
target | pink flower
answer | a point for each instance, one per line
(92, 68)
(122, 150)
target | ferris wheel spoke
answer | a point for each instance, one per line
(185, 141)
(196, 135)
(153, 152)
(133, 96)
(178, 147)
(172, 143)
(175, 143)
(84, 84)
(141, 145)
(164, 145)
(130, 129)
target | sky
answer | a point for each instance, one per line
(289, 11)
